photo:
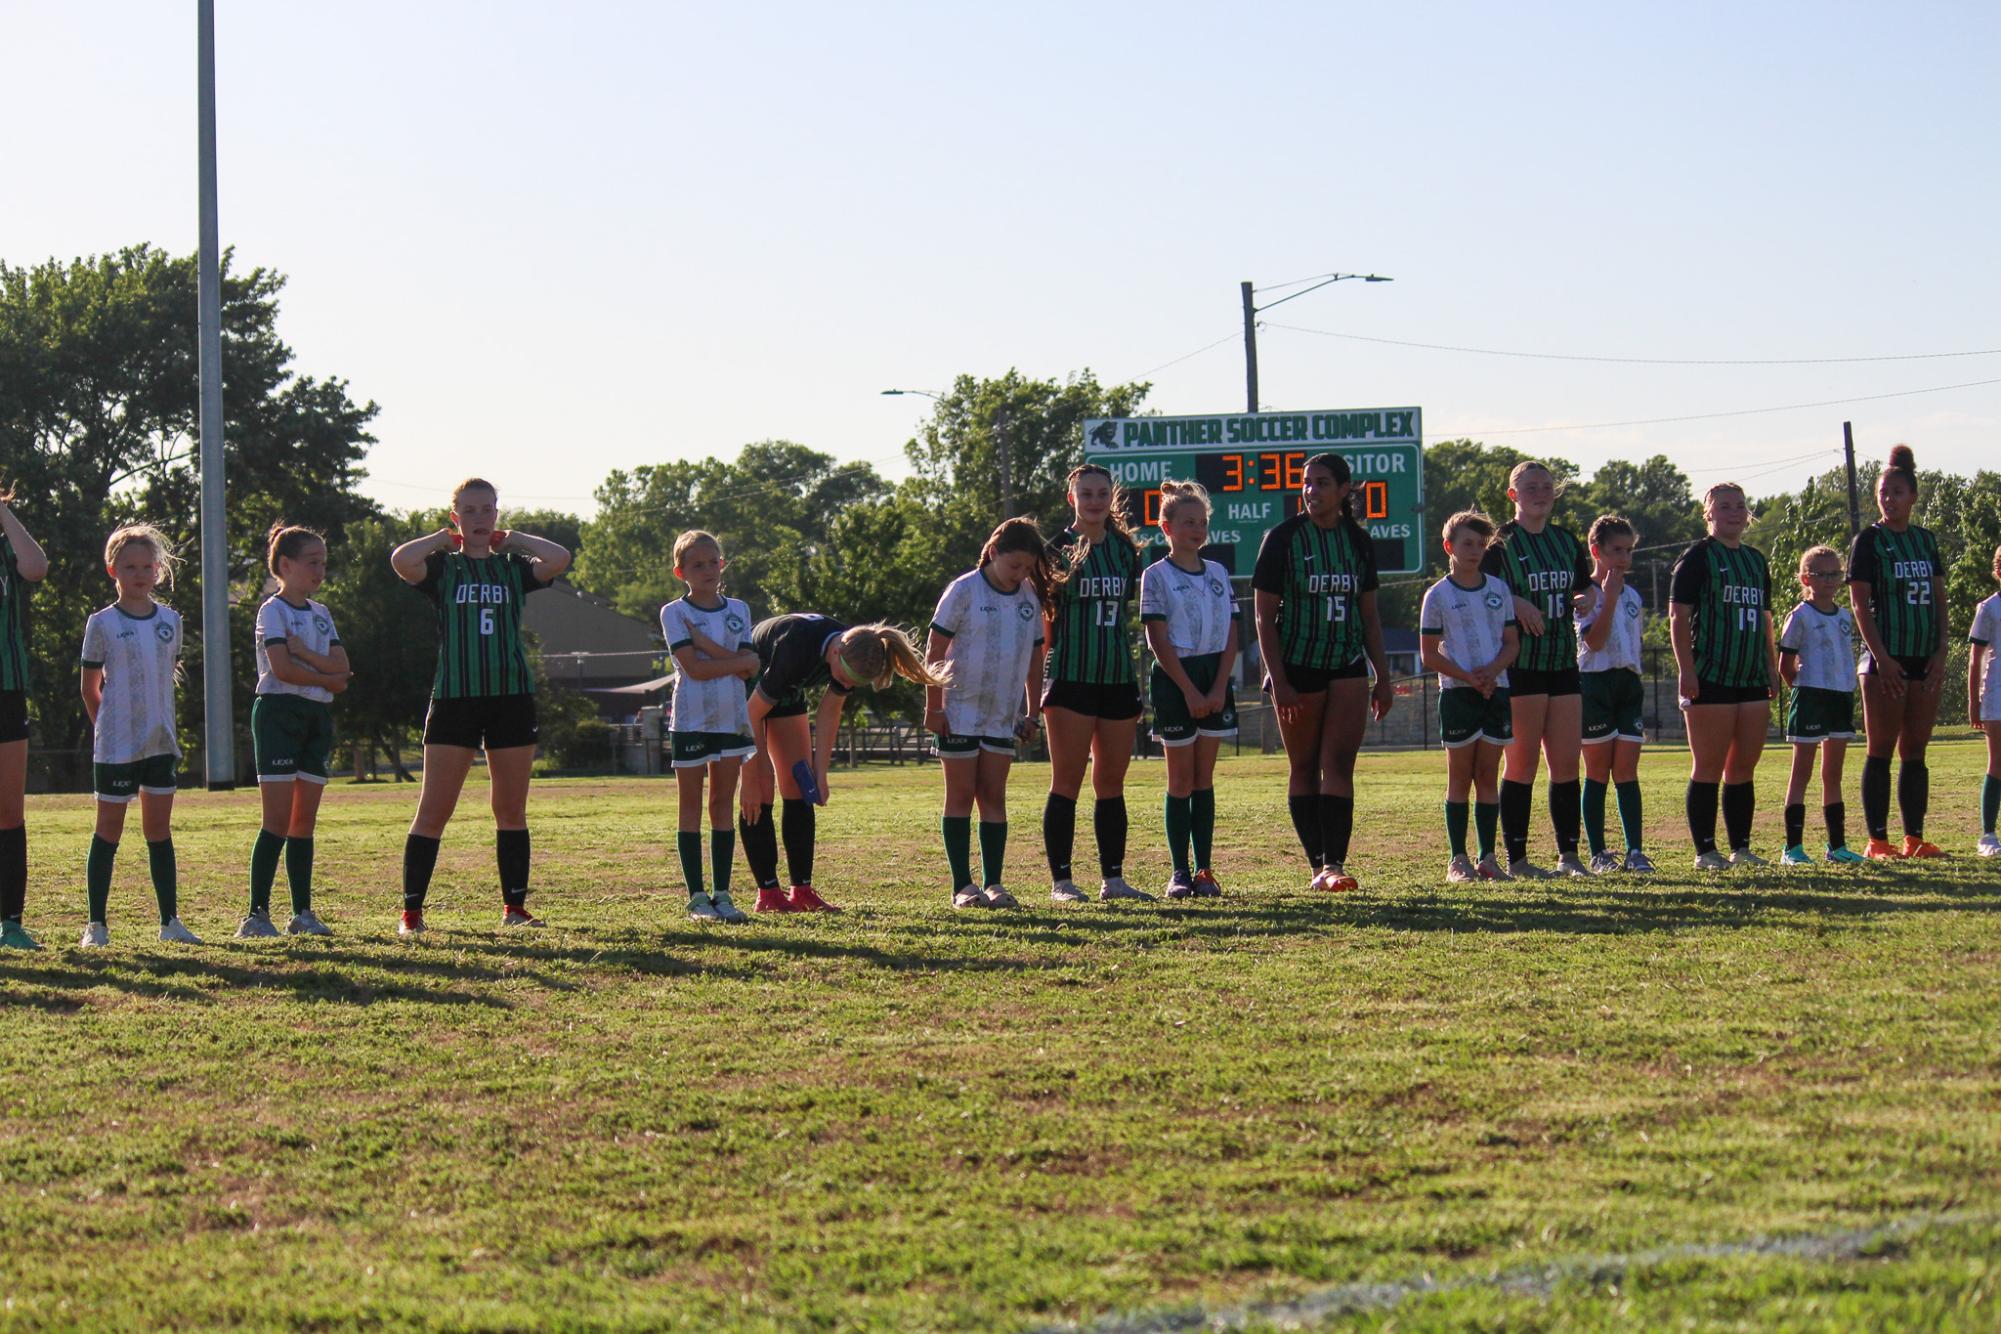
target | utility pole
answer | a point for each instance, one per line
(1854, 501)
(1250, 351)
(219, 731)
(1004, 464)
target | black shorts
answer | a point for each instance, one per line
(1712, 693)
(1112, 703)
(1313, 680)
(1528, 681)
(1916, 668)
(13, 716)
(497, 722)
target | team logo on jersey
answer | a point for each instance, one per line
(734, 622)
(1026, 612)
(1215, 588)
(1493, 601)
(164, 633)
(322, 624)
(1632, 611)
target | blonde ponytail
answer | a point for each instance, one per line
(875, 654)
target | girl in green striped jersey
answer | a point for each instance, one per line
(484, 694)
(22, 562)
(1896, 584)
(1720, 619)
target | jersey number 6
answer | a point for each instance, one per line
(486, 620)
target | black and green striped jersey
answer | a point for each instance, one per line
(479, 623)
(1319, 576)
(13, 621)
(1899, 569)
(1546, 569)
(1731, 591)
(1090, 637)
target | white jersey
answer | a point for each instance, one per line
(309, 627)
(723, 704)
(1622, 641)
(138, 654)
(1825, 643)
(993, 636)
(1470, 623)
(1986, 629)
(1198, 608)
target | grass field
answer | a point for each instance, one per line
(905, 1117)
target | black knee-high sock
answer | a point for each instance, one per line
(13, 872)
(1305, 808)
(1566, 813)
(760, 847)
(299, 873)
(722, 853)
(1795, 824)
(1337, 823)
(1515, 800)
(1059, 833)
(1702, 815)
(1740, 803)
(798, 825)
(1914, 792)
(420, 858)
(1836, 815)
(166, 877)
(1876, 796)
(1108, 822)
(510, 853)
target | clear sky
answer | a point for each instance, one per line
(555, 239)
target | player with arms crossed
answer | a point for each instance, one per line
(1817, 660)
(1983, 706)
(22, 562)
(1608, 676)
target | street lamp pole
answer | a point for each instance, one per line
(219, 734)
(1252, 310)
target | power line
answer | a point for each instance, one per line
(1456, 432)
(1639, 361)
(1230, 337)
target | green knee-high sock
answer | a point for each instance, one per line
(97, 875)
(993, 850)
(1202, 825)
(1180, 819)
(1487, 823)
(166, 877)
(299, 873)
(264, 855)
(1455, 826)
(1594, 815)
(1990, 802)
(1629, 813)
(722, 854)
(958, 831)
(688, 842)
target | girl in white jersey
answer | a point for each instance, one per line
(1817, 659)
(300, 668)
(988, 627)
(1191, 626)
(131, 664)
(1608, 674)
(1983, 707)
(709, 636)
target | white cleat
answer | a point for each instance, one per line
(997, 897)
(175, 934)
(1712, 860)
(1065, 891)
(969, 897)
(1461, 871)
(726, 909)
(1746, 857)
(703, 909)
(304, 923)
(257, 926)
(1988, 846)
(95, 937)
(1568, 865)
(1524, 869)
(1115, 887)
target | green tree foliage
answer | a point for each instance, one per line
(386, 628)
(1653, 496)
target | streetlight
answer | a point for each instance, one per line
(219, 736)
(1251, 310)
(1003, 464)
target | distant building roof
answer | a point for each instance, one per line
(586, 639)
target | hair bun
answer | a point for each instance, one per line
(1902, 457)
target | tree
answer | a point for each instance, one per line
(385, 626)
(1653, 496)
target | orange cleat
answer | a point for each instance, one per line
(1915, 846)
(1336, 880)
(805, 900)
(1882, 850)
(773, 900)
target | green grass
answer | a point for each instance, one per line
(905, 1117)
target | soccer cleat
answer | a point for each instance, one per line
(257, 926)
(1638, 863)
(1206, 886)
(1180, 885)
(13, 936)
(702, 908)
(1491, 870)
(304, 923)
(1524, 869)
(1881, 850)
(1320, 874)
(174, 933)
(969, 897)
(1065, 891)
(411, 923)
(95, 936)
(518, 915)
(805, 900)
(1711, 860)
(1339, 881)
(1915, 846)
(996, 897)
(726, 909)
(1567, 864)
(1746, 857)
(772, 899)
(1988, 846)
(1604, 863)
(1115, 887)
(1846, 856)
(1461, 871)
(1795, 856)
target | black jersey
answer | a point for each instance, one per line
(13, 621)
(1090, 640)
(1899, 569)
(1730, 589)
(1547, 569)
(792, 655)
(480, 652)
(1319, 575)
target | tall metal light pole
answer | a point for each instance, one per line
(1252, 310)
(219, 732)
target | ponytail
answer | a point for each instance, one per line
(288, 541)
(874, 654)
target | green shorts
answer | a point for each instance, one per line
(1814, 715)
(293, 738)
(1614, 706)
(962, 746)
(1464, 717)
(1173, 725)
(157, 775)
(695, 750)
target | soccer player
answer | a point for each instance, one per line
(986, 634)
(301, 666)
(1983, 706)
(1720, 618)
(1191, 625)
(1896, 582)
(708, 635)
(1608, 676)
(1090, 694)
(1817, 660)
(1314, 589)
(1549, 571)
(22, 562)
(795, 653)
(131, 664)
(1468, 636)
(483, 696)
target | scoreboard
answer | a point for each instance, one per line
(1252, 465)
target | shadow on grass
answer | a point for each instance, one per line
(661, 961)
(188, 978)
